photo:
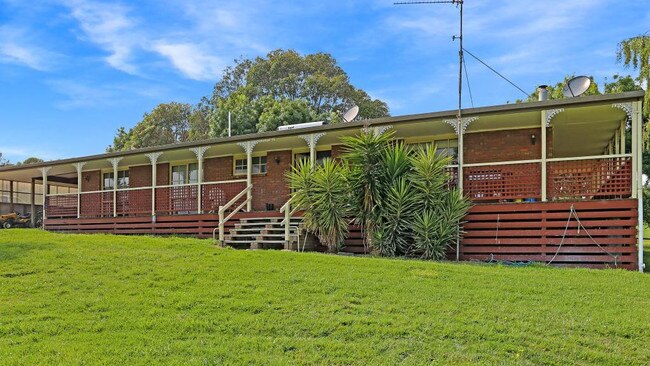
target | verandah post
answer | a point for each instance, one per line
(79, 168)
(638, 177)
(312, 142)
(32, 201)
(44, 172)
(115, 162)
(11, 195)
(199, 152)
(248, 147)
(153, 158)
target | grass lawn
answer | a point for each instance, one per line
(97, 299)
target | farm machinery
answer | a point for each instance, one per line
(15, 219)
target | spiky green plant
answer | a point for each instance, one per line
(364, 156)
(323, 193)
(436, 230)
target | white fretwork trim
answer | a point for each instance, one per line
(248, 146)
(626, 107)
(199, 151)
(79, 166)
(115, 162)
(465, 122)
(378, 130)
(552, 113)
(45, 170)
(312, 139)
(153, 157)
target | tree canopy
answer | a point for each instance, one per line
(261, 94)
(635, 52)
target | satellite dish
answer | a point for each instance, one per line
(351, 114)
(576, 86)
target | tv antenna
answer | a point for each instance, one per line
(459, 5)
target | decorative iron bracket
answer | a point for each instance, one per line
(312, 139)
(550, 114)
(627, 108)
(464, 123)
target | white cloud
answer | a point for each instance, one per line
(110, 27)
(17, 48)
(191, 60)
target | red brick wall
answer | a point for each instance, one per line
(140, 176)
(493, 146)
(272, 187)
(218, 169)
(90, 203)
(162, 174)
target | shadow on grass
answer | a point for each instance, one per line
(12, 251)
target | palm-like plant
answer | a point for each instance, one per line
(364, 155)
(323, 193)
(399, 196)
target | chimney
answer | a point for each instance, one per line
(542, 92)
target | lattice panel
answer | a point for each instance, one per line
(587, 179)
(176, 200)
(215, 195)
(503, 183)
(134, 203)
(61, 206)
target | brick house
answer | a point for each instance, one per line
(527, 167)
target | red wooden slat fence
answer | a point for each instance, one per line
(534, 231)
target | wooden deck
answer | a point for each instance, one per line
(502, 232)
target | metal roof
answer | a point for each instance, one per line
(490, 110)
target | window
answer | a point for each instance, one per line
(320, 156)
(185, 174)
(259, 165)
(122, 180)
(448, 147)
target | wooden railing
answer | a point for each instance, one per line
(590, 178)
(288, 214)
(222, 212)
(137, 201)
(502, 182)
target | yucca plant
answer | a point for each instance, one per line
(323, 193)
(364, 155)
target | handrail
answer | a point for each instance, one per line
(288, 213)
(222, 211)
(286, 208)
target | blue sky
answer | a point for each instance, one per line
(72, 72)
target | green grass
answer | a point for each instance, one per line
(83, 299)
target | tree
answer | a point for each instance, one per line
(168, 123)
(286, 88)
(3, 161)
(31, 160)
(621, 84)
(635, 52)
(261, 94)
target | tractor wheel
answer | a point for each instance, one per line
(8, 224)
